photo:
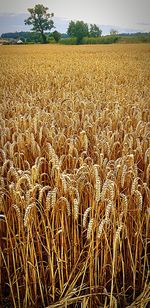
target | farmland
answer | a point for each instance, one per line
(75, 172)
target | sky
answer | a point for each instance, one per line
(123, 15)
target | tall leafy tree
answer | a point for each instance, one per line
(40, 19)
(95, 31)
(56, 36)
(78, 29)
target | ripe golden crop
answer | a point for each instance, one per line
(75, 172)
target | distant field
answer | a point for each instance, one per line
(75, 175)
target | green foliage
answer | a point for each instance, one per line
(22, 39)
(68, 41)
(90, 40)
(100, 40)
(50, 40)
(56, 36)
(95, 31)
(34, 37)
(40, 20)
(64, 35)
(26, 37)
(134, 38)
(78, 29)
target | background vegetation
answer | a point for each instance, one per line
(34, 37)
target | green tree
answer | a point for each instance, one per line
(40, 19)
(78, 29)
(95, 31)
(113, 32)
(56, 36)
(22, 39)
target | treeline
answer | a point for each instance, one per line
(63, 38)
(108, 39)
(23, 35)
(134, 37)
(31, 37)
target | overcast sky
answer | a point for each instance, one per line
(129, 14)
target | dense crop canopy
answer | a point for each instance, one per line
(75, 171)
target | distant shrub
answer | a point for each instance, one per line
(144, 39)
(90, 40)
(30, 43)
(69, 41)
(50, 40)
(56, 36)
(134, 38)
(100, 40)
(6, 43)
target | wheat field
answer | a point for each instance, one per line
(75, 174)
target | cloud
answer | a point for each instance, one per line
(125, 13)
(11, 22)
(143, 23)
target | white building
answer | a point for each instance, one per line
(20, 42)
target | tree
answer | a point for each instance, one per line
(40, 19)
(113, 32)
(56, 36)
(95, 31)
(78, 29)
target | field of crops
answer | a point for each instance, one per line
(75, 172)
